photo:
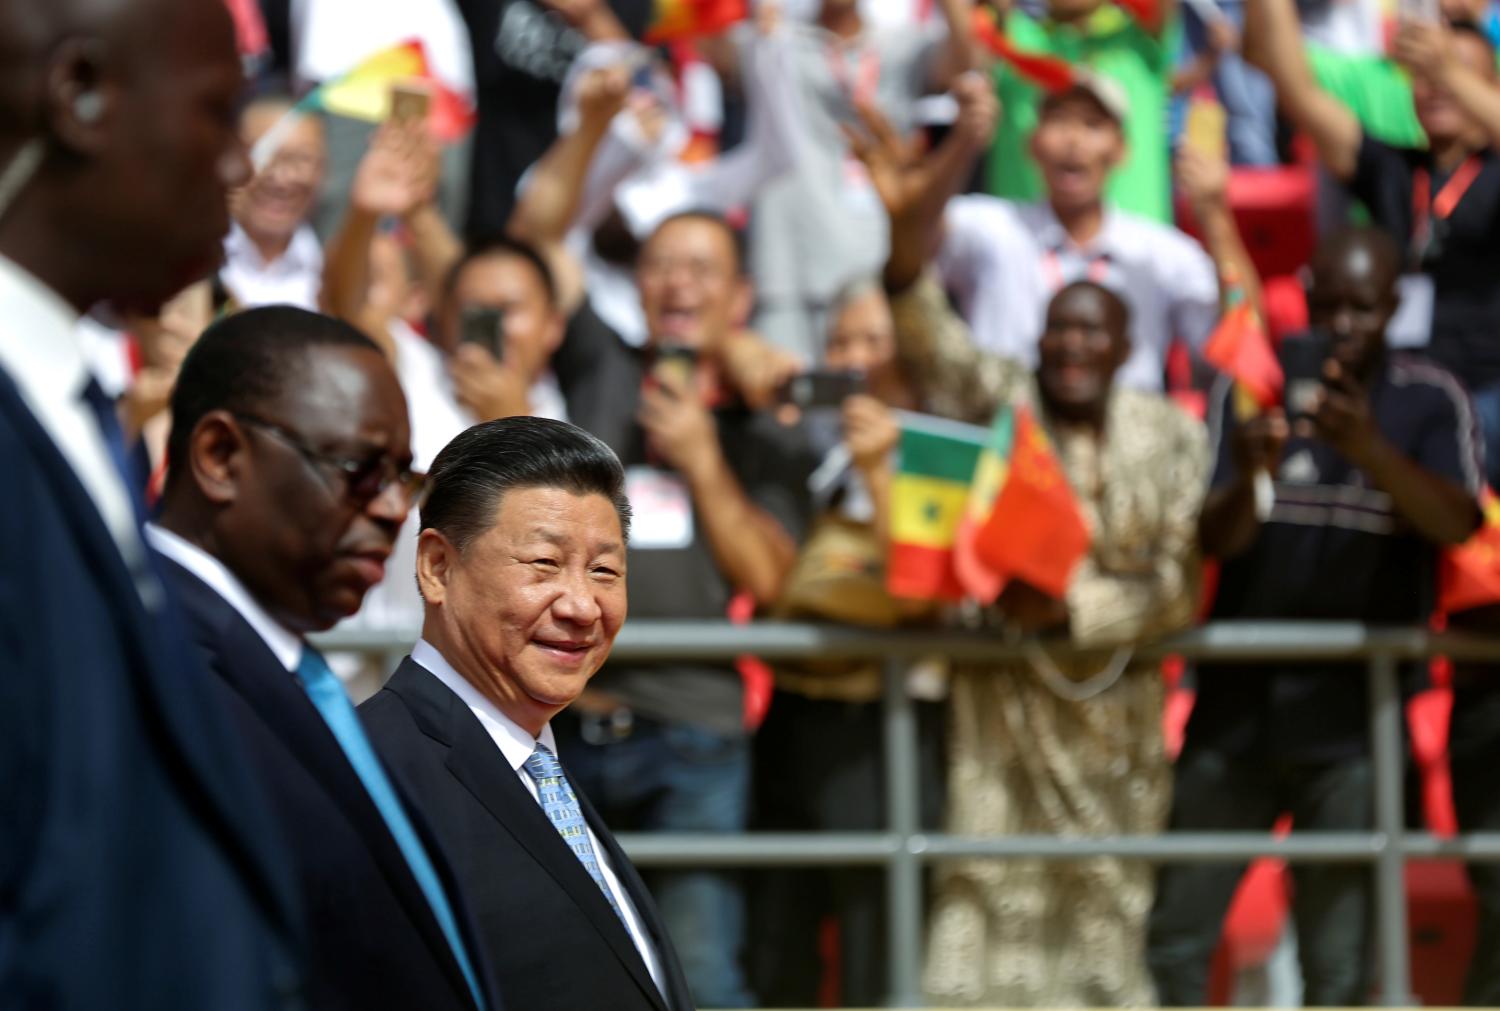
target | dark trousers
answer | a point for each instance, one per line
(1332, 905)
(819, 766)
(1474, 753)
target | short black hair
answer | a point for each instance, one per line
(245, 361)
(481, 464)
(736, 236)
(501, 245)
(1467, 26)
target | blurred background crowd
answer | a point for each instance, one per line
(1227, 268)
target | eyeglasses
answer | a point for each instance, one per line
(365, 479)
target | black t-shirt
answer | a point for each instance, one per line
(522, 51)
(1463, 260)
(1334, 550)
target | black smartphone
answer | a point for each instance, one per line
(1302, 362)
(823, 388)
(485, 326)
(678, 361)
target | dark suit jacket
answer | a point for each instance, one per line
(138, 864)
(553, 942)
(375, 941)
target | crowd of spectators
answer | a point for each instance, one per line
(652, 243)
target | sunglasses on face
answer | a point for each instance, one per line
(364, 478)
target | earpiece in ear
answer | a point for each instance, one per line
(88, 107)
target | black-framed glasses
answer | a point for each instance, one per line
(365, 478)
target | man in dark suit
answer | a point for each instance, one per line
(138, 868)
(521, 564)
(289, 476)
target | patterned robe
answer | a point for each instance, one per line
(1024, 759)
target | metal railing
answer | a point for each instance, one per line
(903, 849)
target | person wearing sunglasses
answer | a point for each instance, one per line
(289, 474)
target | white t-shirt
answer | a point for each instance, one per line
(1003, 261)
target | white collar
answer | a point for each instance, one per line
(1053, 236)
(39, 344)
(514, 741)
(283, 643)
(302, 254)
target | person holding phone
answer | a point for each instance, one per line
(1377, 466)
(1441, 201)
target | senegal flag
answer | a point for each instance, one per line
(674, 20)
(928, 499)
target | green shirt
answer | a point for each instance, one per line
(1376, 90)
(1114, 45)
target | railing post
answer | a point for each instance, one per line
(1391, 941)
(904, 907)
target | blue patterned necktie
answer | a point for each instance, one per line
(328, 696)
(561, 808)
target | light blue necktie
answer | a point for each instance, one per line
(333, 705)
(561, 808)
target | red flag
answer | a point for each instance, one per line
(1470, 573)
(1050, 73)
(1036, 532)
(673, 20)
(1239, 348)
(1146, 12)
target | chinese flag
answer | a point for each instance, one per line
(1047, 72)
(1239, 348)
(1036, 532)
(1470, 573)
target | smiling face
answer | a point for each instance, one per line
(529, 609)
(1076, 145)
(280, 197)
(692, 291)
(1082, 348)
(1352, 297)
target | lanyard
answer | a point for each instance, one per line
(859, 86)
(1425, 208)
(1053, 275)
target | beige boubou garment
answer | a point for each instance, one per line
(1051, 746)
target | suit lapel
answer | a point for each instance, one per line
(195, 728)
(239, 655)
(679, 996)
(477, 763)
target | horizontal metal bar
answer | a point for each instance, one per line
(760, 849)
(1232, 640)
(874, 848)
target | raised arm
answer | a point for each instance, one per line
(960, 53)
(1427, 50)
(548, 206)
(396, 178)
(1205, 182)
(1273, 43)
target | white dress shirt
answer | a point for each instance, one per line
(516, 745)
(293, 278)
(1003, 261)
(283, 643)
(43, 353)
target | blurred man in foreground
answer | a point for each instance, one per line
(137, 864)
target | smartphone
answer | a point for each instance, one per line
(1302, 361)
(1204, 130)
(484, 325)
(410, 101)
(678, 361)
(823, 388)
